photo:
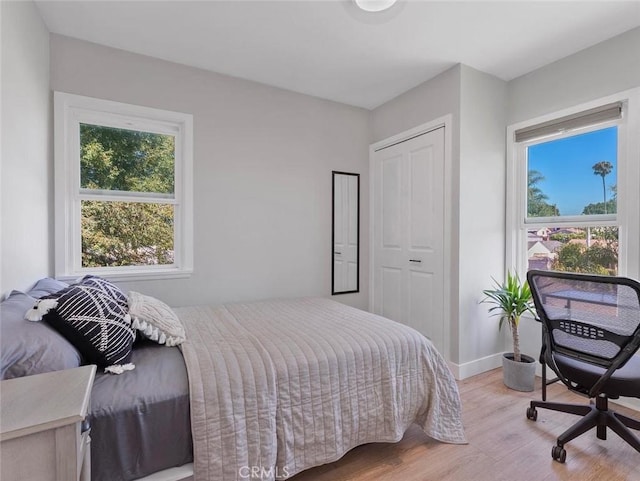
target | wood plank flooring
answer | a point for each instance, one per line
(503, 445)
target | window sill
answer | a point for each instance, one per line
(129, 275)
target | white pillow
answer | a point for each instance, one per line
(155, 320)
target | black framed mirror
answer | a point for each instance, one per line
(345, 233)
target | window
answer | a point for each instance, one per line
(572, 201)
(123, 189)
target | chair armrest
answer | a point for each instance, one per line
(621, 359)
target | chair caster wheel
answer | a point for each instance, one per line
(559, 454)
(532, 413)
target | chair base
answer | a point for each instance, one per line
(596, 415)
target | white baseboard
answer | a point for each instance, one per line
(478, 366)
(468, 369)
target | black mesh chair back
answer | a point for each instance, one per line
(590, 333)
(595, 319)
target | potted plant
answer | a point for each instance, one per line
(510, 300)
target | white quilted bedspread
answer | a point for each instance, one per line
(280, 386)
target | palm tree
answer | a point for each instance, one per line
(603, 169)
(537, 205)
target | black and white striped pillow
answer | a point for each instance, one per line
(93, 316)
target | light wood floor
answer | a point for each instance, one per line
(503, 445)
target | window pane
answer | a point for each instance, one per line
(573, 176)
(126, 234)
(581, 249)
(126, 160)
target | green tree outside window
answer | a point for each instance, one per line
(120, 161)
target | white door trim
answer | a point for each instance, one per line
(445, 121)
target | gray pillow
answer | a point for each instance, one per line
(28, 348)
(46, 286)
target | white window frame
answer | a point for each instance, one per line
(627, 218)
(71, 110)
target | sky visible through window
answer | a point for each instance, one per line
(565, 169)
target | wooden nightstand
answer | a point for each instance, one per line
(41, 426)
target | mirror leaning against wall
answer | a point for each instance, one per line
(345, 235)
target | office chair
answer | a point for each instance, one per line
(590, 333)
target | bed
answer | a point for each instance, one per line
(268, 389)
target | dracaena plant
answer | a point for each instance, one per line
(510, 300)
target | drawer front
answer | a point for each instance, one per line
(53, 455)
(31, 457)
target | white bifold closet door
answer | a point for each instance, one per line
(408, 237)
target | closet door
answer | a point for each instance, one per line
(408, 206)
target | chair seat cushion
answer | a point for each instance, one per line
(623, 382)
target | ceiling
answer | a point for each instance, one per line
(330, 49)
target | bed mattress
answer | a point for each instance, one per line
(140, 421)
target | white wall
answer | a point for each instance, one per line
(262, 165)
(482, 106)
(477, 102)
(26, 169)
(428, 101)
(263, 161)
(598, 71)
(482, 175)
(604, 69)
